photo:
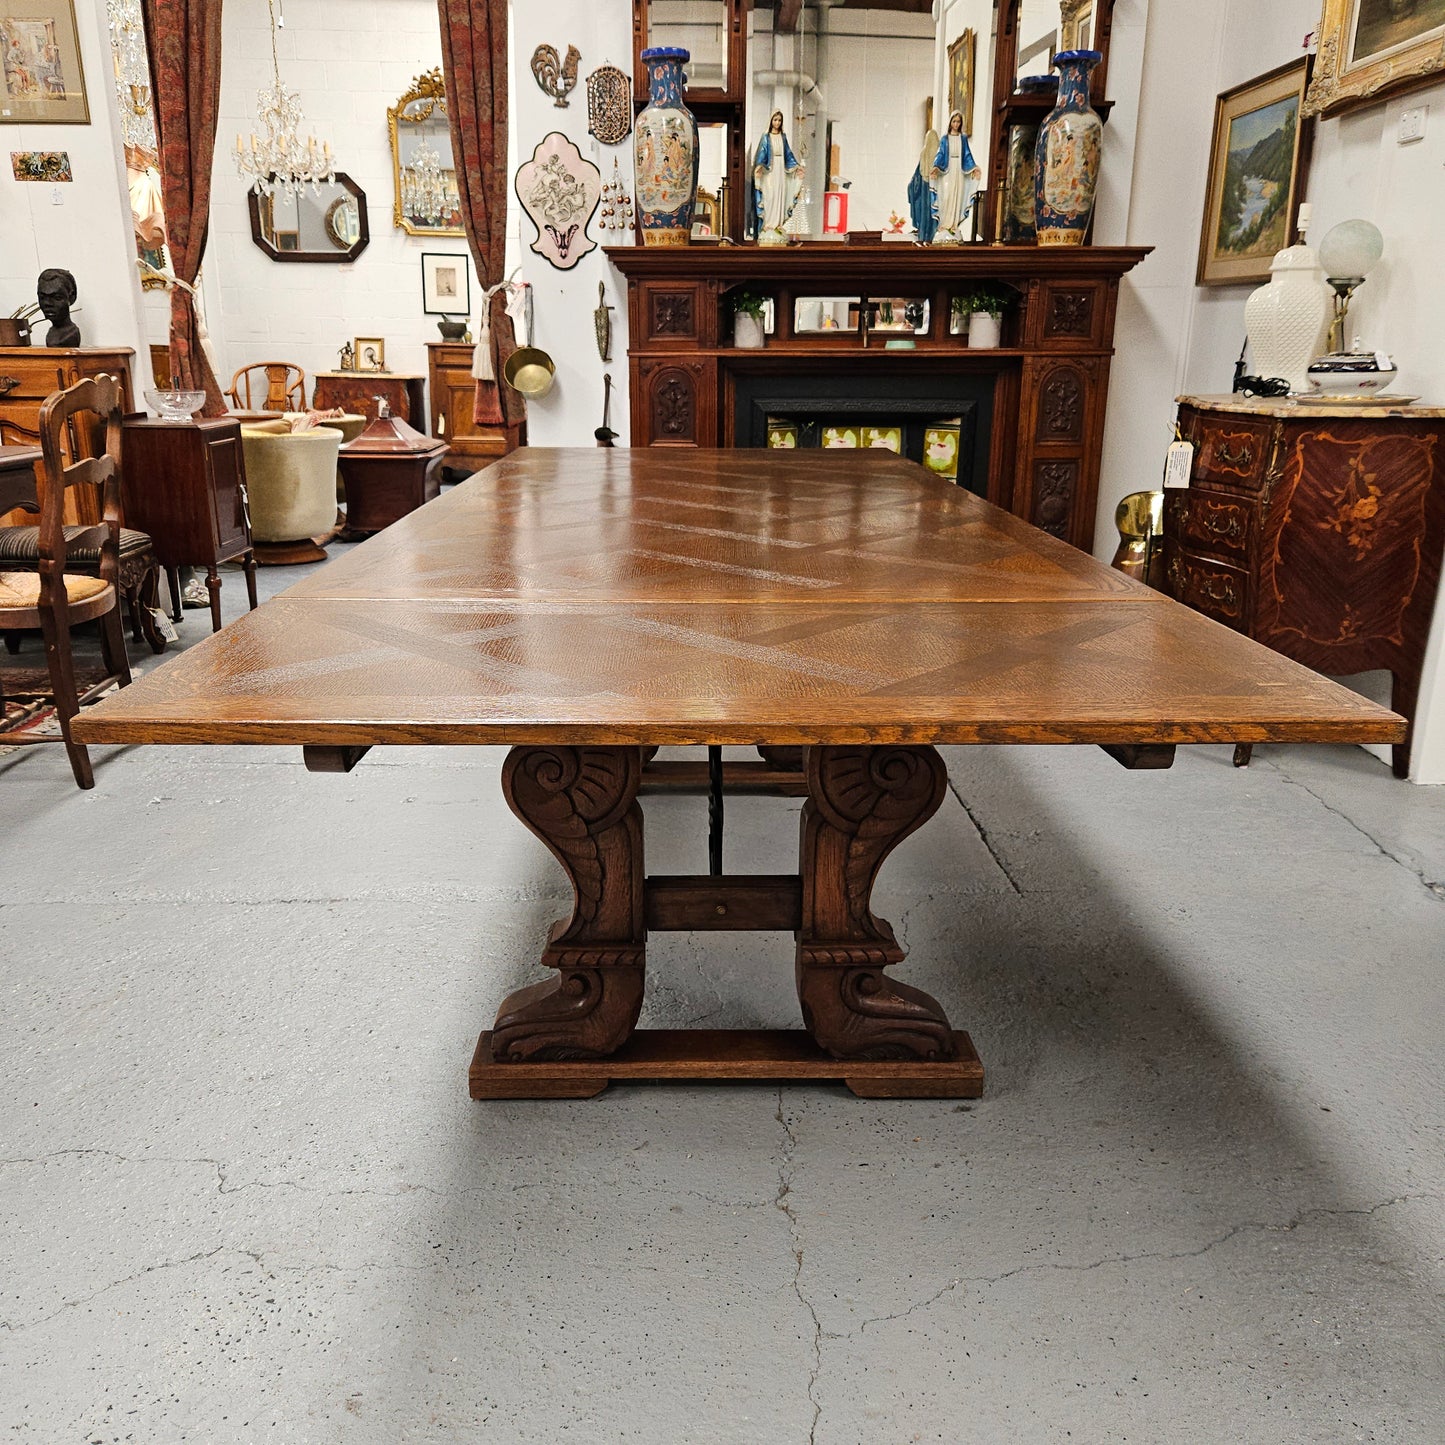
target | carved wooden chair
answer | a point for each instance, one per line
(49, 601)
(284, 383)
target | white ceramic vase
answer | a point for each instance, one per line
(747, 331)
(983, 331)
(1287, 320)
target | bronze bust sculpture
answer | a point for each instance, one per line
(56, 291)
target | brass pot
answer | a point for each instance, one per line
(530, 371)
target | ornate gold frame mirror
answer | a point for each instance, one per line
(426, 202)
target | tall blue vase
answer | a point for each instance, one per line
(1066, 163)
(665, 146)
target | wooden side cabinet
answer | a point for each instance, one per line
(471, 445)
(30, 374)
(185, 484)
(1315, 530)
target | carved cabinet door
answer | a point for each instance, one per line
(676, 405)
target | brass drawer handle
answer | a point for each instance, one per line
(1221, 590)
(1223, 522)
(1243, 458)
(8, 384)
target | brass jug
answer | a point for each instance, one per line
(1140, 520)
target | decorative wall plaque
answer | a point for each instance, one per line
(556, 77)
(559, 188)
(609, 105)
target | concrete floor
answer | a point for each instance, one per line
(248, 1199)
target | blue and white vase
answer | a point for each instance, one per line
(665, 145)
(1066, 163)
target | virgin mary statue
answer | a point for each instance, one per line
(777, 183)
(955, 179)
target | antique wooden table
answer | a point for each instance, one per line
(842, 613)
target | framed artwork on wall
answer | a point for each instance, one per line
(960, 78)
(1371, 49)
(1076, 24)
(41, 80)
(446, 287)
(370, 352)
(1258, 162)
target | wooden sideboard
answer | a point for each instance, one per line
(1040, 395)
(1316, 530)
(471, 445)
(356, 392)
(29, 374)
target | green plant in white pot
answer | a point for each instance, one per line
(984, 305)
(748, 310)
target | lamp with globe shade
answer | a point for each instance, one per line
(1348, 253)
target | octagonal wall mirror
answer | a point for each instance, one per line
(329, 226)
(426, 200)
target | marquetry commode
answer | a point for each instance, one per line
(1316, 530)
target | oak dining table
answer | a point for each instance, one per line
(838, 614)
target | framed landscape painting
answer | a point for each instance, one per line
(1257, 167)
(1371, 49)
(41, 81)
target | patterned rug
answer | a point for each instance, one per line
(28, 708)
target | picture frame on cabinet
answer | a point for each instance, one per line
(1258, 166)
(370, 353)
(446, 286)
(962, 56)
(42, 81)
(1370, 50)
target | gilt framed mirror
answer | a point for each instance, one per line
(327, 226)
(426, 201)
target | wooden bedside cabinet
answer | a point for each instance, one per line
(185, 484)
(1316, 530)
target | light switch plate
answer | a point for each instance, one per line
(1412, 125)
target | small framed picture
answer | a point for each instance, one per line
(41, 80)
(446, 286)
(370, 353)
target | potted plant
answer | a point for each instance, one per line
(748, 308)
(984, 305)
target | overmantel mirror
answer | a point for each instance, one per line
(427, 202)
(862, 86)
(311, 225)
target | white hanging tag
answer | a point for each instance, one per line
(1178, 463)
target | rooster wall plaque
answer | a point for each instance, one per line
(555, 76)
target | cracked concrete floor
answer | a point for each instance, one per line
(248, 1200)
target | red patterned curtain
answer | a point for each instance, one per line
(184, 37)
(474, 61)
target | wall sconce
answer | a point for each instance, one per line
(1348, 253)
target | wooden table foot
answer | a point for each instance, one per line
(727, 1056)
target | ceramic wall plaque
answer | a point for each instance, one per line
(559, 188)
(609, 105)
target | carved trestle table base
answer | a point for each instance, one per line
(861, 802)
(841, 616)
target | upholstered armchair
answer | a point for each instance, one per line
(291, 478)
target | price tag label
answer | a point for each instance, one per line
(1178, 463)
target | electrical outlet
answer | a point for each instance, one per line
(1412, 125)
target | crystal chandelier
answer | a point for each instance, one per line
(278, 160)
(423, 188)
(132, 73)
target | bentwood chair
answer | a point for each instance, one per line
(269, 386)
(49, 601)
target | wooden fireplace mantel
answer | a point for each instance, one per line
(1050, 375)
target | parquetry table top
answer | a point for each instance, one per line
(619, 596)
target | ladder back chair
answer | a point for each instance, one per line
(49, 601)
(284, 387)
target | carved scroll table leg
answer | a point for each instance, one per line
(582, 803)
(862, 802)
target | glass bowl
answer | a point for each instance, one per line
(176, 405)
